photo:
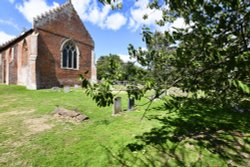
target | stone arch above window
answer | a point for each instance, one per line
(69, 55)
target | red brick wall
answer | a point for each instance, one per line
(2, 66)
(64, 25)
(22, 60)
(8, 66)
(13, 65)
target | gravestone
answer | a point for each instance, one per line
(66, 89)
(131, 104)
(117, 105)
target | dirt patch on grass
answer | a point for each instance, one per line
(10, 117)
(4, 105)
(37, 125)
(30, 124)
(6, 156)
(18, 112)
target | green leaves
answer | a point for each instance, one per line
(109, 67)
(210, 54)
(101, 93)
(135, 92)
(240, 85)
(214, 50)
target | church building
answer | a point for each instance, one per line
(54, 52)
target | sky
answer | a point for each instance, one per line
(112, 30)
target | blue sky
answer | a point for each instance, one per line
(112, 30)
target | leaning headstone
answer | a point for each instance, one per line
(66, 89)
(117, 105)
(131, 104)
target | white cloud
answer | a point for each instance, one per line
(98, 16)
(82, 6)
(179, 23)
(4, 37)
(10, 23)
(11, 1)
(89, 10)
(126, 58)
(139, 10)
(33, 8)
(115, 21)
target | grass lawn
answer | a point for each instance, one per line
(197, 134)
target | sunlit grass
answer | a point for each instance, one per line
(197, 134)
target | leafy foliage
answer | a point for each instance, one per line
(210, 54)
(113, 68)
(109, 67)
(100, 93)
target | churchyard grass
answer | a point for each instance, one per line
(197, 134)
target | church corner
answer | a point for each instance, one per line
(53, 53)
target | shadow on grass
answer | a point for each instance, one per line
(198, 133)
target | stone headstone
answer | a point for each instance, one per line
(131, 104)
(66, 89)
(117, 105)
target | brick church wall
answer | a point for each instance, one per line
(8, 66)
(1, 67)
(53, 31)
(13, 65)
(37, 64)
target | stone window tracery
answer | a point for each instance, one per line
(69, 55)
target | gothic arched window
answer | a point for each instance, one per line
(69, 55)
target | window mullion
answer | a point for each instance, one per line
(67, 58)
(72, 58)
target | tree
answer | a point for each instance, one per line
(218, 60)
(109, 66)
(132, 72)
(212, 52)
(113, 68)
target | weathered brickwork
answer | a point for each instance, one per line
(64, 25)
(35, 58)
(13, 65)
